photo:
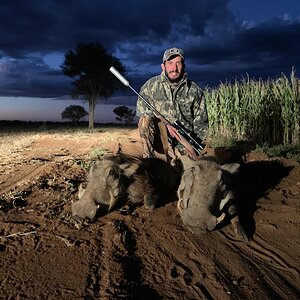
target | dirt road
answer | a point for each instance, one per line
(45, 254)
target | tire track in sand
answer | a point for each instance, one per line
(23, 175)
(270, 265)
(118, 274)
(270, 255)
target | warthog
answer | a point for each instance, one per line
(206, 197)
(119, 179)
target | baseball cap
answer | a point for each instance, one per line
(172, 52)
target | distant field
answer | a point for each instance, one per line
(12, 126)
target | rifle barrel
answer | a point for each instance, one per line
(119, 76)
(126, 83)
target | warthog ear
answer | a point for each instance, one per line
(81, 191)
(186, 162)
(231, 168)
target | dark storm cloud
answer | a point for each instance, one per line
(217, 46)
(30, 77)
(59, 25)
(276, 39)
(262, 51)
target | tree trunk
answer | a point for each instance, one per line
(92, 103)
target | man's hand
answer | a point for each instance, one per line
(190, 150)
(173, 132)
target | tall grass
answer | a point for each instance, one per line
(266, 112)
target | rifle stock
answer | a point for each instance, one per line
(187, 138)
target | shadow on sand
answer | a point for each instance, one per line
(251, 183)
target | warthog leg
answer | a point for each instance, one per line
(235, 221)
(150, 201)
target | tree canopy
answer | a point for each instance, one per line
(88, 65)
(124, 113)
(74, 113)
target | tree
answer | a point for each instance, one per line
(74, 113)
(88, 65)
(124, 113)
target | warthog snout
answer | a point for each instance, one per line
(104, 186)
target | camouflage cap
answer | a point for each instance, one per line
(172, 52)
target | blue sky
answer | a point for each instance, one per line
(222, 40)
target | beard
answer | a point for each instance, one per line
(177, 79)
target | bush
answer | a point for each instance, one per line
(74, 113)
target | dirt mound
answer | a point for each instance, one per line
(46, 254)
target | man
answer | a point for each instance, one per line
(176, 98)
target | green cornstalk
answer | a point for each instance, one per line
(267, 112)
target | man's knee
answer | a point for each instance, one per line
(146, 127)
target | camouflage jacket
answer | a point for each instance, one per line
(186, 103)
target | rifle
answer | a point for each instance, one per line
(185, 135)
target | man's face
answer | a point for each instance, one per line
(173, 68)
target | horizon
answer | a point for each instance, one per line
(33, 109)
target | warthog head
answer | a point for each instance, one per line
(107, 183)
(117, 179)
(204, 191)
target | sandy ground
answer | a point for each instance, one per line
(45, 254)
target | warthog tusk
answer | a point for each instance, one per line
(221, 218)
(225, 200)
(179, 205)
(112, 200)
(80, 191)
